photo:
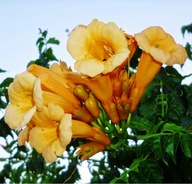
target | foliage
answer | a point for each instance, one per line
(188, 46)
(156, 148)
(45, 53)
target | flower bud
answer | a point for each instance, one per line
(83, 115)
(112, 112)
(92, 106)
(123, 107)
(81, 92)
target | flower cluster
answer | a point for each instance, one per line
(51, 106)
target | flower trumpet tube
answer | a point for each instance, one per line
(102, 89)
(89, 149)
(99, 139)
(85, 131)
(158, 48)
(97, 48)
(51, 84)
(37, 70)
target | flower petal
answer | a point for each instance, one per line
(79, 38)
(89, 66)
(52, 151)
(40, 138)
(161, 46)
(37, 94)
(65, 130)
(13, 115)
(98, 48)
(27, 117)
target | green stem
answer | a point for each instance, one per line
(103, 115)
(115, 146)
(109, 126)
(125, 125)
(118, 128)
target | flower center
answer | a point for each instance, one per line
(109, 51)
(56, 123)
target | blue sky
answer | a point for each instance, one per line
(20, 21)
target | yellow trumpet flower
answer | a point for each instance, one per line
(98, 48)
(52, 132)
(24, 98)
(159, 48)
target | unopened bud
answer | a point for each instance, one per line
(123, 108)
(81, 92)
(83, 114)
(127, 84)
(92, 106)
(112, 112)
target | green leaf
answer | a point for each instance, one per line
(171, 145)
(53, 41)
(135, 165)
(49, 54)
(144, 137)
(156, 127)
(157, 148)
(40, 40)
(148, 171)
(187, 122)
(171, 127)
(44, 33)
(187, 28)
(1, 70)
(135, 58)
(6, 82)
(186, 144)
(188, 48)
(140, 124)
(122, 179)
(135, 177)
(151, 171)
(40, 47)
(30, 63)
(173, 75)
(4, 129)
